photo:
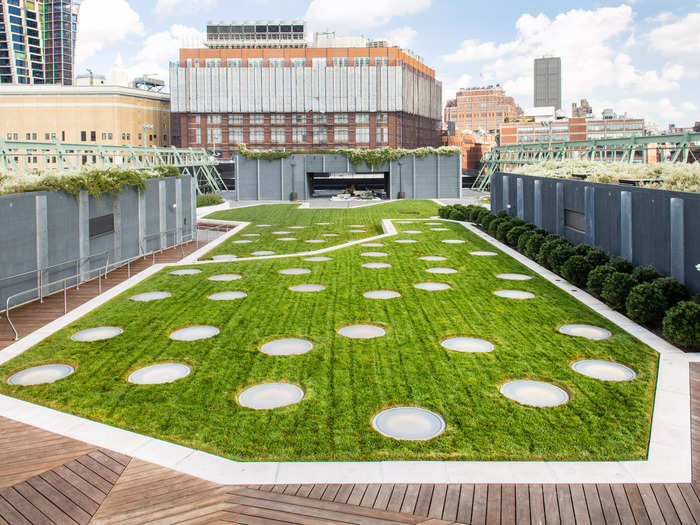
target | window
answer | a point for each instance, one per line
(340, 61)
(104, 136)
(382, 61)
(340, 135)
(278, 136)
(196, 136)
(214, 136)
(320, 135)
(382, 135)
(197, 119)
(383, 118)
(277, 119)
(235, 135)
(277, 62)
(212, 62)
(575, 220)
(255, 62)
(28, 136)
(102, 225)
(213, 119)
(234, 62)
(319, 62)
(362, 118)
(298, 119)
(257, 135)
(341, 118)
(93, 136)
(320, 118)
(299, 135)
(235, 119)
(257, 119)
(188, 63)
(362, 61)
(83, 136)
(298, 62)
(362, 135)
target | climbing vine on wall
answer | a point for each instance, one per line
(96, 182)
(371, 157)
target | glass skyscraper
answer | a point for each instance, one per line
(37, 41)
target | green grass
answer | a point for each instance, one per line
(280, 217)
(348, 381)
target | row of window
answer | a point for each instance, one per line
(279, 119)
(298, 135)
(293, 62)
(84, 135)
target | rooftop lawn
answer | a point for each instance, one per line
(346, 381)
(281, 216)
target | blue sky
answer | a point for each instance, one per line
(641, 57)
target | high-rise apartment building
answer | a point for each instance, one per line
(37, 41)
(60, 29)
(481, 108)
(548, 82)
(283, 96)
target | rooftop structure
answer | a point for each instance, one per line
(584, 110)
(260, 34)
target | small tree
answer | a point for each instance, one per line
(645, 304)
(682, 324)
(576, 270)
(597, 278)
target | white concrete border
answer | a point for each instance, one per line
(669, 450)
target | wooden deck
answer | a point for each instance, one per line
(35, 315)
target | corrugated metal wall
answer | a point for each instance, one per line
(292, 90)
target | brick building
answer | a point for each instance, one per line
(481, 108)
(302, 97)
(570, 130)
(473, 147)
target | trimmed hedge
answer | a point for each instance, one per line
(646, 304)
(209, 199)
(617, 288)
(576, 270)
(597, 278)
(682, 324)
(641, 292)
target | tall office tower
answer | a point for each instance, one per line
(548, 82)
(60, 28)
(21, 45)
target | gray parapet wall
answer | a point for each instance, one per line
(40, 232)
(644, 225)
(430, 177)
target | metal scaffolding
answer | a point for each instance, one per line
(682, 148)
(57, 157)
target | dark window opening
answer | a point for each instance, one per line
(575, 220)
(102, 225)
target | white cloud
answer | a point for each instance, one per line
(662, 110)
(105, 23)
(662, 18)
(679, 39)
(159, 49)
(402, 36)
(178, 7)
(334, 15)
(591, 43)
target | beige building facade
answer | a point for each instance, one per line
(85, 115)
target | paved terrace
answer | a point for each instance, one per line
(48, 478)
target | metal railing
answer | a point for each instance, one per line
(102, 273)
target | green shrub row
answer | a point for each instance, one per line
(371, 157)
(641, 292)
(95, 181)
(209, 199)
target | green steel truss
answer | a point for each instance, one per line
(57, 157)
(671, 148)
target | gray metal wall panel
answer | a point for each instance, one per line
(651, 226)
